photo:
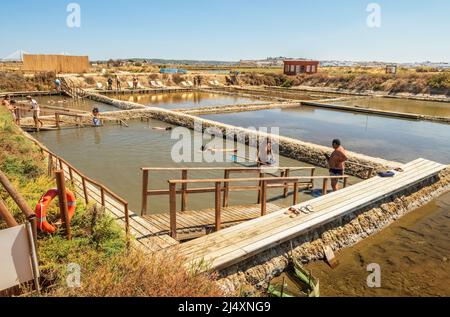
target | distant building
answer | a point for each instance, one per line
(391, 69)
(294, 67)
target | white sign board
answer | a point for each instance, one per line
(15, 257)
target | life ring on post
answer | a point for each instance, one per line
(44, 203)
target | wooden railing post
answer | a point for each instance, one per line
(127, 220)
(85, 191)
(370, 172)
(260, 192)
(184, 176)
(102, 196)
(173, 210)
(7, 216)
(313, 171)
(226, 193)
(325, 186)
(62, 197)
(286, 187)
(71, 176)
(264, 198)
(57, 120)
(218, 200)
(50, 165)
(345, 182)
(144, 193)
(18, 115)
(296, 193)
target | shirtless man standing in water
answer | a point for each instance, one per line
(336, 163)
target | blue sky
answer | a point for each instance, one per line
(411, 30)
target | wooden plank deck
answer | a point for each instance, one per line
(198, 222)
(241, 242)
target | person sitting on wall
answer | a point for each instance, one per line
(336, 163)
(110, 83)
(118, 83)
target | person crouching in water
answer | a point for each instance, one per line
(265, 155)
(336, 163)
(96, 120)
(36, 112)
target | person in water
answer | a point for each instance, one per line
(204, 148)
(163, 129)
(96, 120)
(336, 162)
(265, 155)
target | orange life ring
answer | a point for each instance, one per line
(44, 203)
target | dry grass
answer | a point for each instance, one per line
(359, 79)
(138, 275)
(16, 81)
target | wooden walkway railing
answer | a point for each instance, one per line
(84, 184)
(265, 183)
(228, 172)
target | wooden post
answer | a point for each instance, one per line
(325, 187)
(370, 173)
(102, 195)
(7, 216)
(218, 206)
(345, 182)
(286, 187)
(85, 191)
(71, 176)
(261, 175)
(62, 197)
(296, 193)
(312, 180)
(57, 120)
(173, 210)
(264, 198)
(16, 196)
(184, 176)
(144, 193)
(50, 165)
(127, 220)
(226, 194)
(18, 115)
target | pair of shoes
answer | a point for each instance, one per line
(307, 209)
(293, 212)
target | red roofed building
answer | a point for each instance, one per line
(294, 67)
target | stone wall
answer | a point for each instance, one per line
(253, 275)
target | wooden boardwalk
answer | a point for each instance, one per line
(192, 224)
(236, 244)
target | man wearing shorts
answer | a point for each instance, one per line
(336, 163)
(36, 112)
